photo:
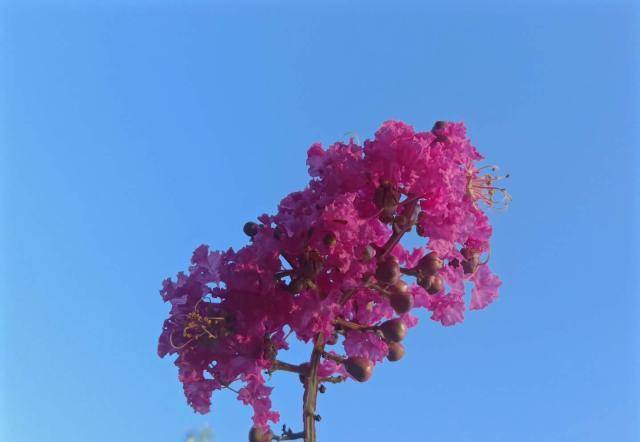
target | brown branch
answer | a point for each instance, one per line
(285, 366)
(332, 379)
(311, 391)
(378, 288)
(335, 358)
(348, 325)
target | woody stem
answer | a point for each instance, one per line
(311, 391)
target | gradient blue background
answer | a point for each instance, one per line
(131, 132)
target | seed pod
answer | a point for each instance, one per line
(396, 351)
(470, 266)
(393, 330)
(386, 216)
(400, 298)
(368, 253)
(436, 284)
(388, 270)
(401, 302)
(259, 435)
(424, 282)
(466, 252)
(360, 369)
(439, 126)
(430, 264)
(329, 239)
(399, 287)
(250, 229)
(413, 215)
(322, 388)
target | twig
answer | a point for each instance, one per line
(348, 325)
(332, 379)
(285, 366)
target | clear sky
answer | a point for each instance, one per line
(131, 132)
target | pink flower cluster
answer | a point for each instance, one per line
(330, 263)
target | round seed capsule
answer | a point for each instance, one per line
(400, 298)
(368, 253)
(259, 435)
(470, 266)
(430, 264)
(393, 330)
(436, 284)
(439, 126)
(386, 196)
(396, 351)
(360, 369)
(401, 302)
(388, 270)
(250, 229)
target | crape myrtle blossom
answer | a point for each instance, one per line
(329, 268)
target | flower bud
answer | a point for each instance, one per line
(436, 284)
(368, 253)
(388, 270)
(470, 266)
(439, 126)
(386, 196)
(400, 299)
(430, 264)
(360, 369)
(250, 229)
(386, 216)
(259, 435)
(466, 252)
(393, 330)
(396, 351)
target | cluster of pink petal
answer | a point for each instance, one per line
(233, 311)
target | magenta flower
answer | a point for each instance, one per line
(329, 268)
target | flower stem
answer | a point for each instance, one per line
(311, 391)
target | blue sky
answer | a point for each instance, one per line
(131, 132)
